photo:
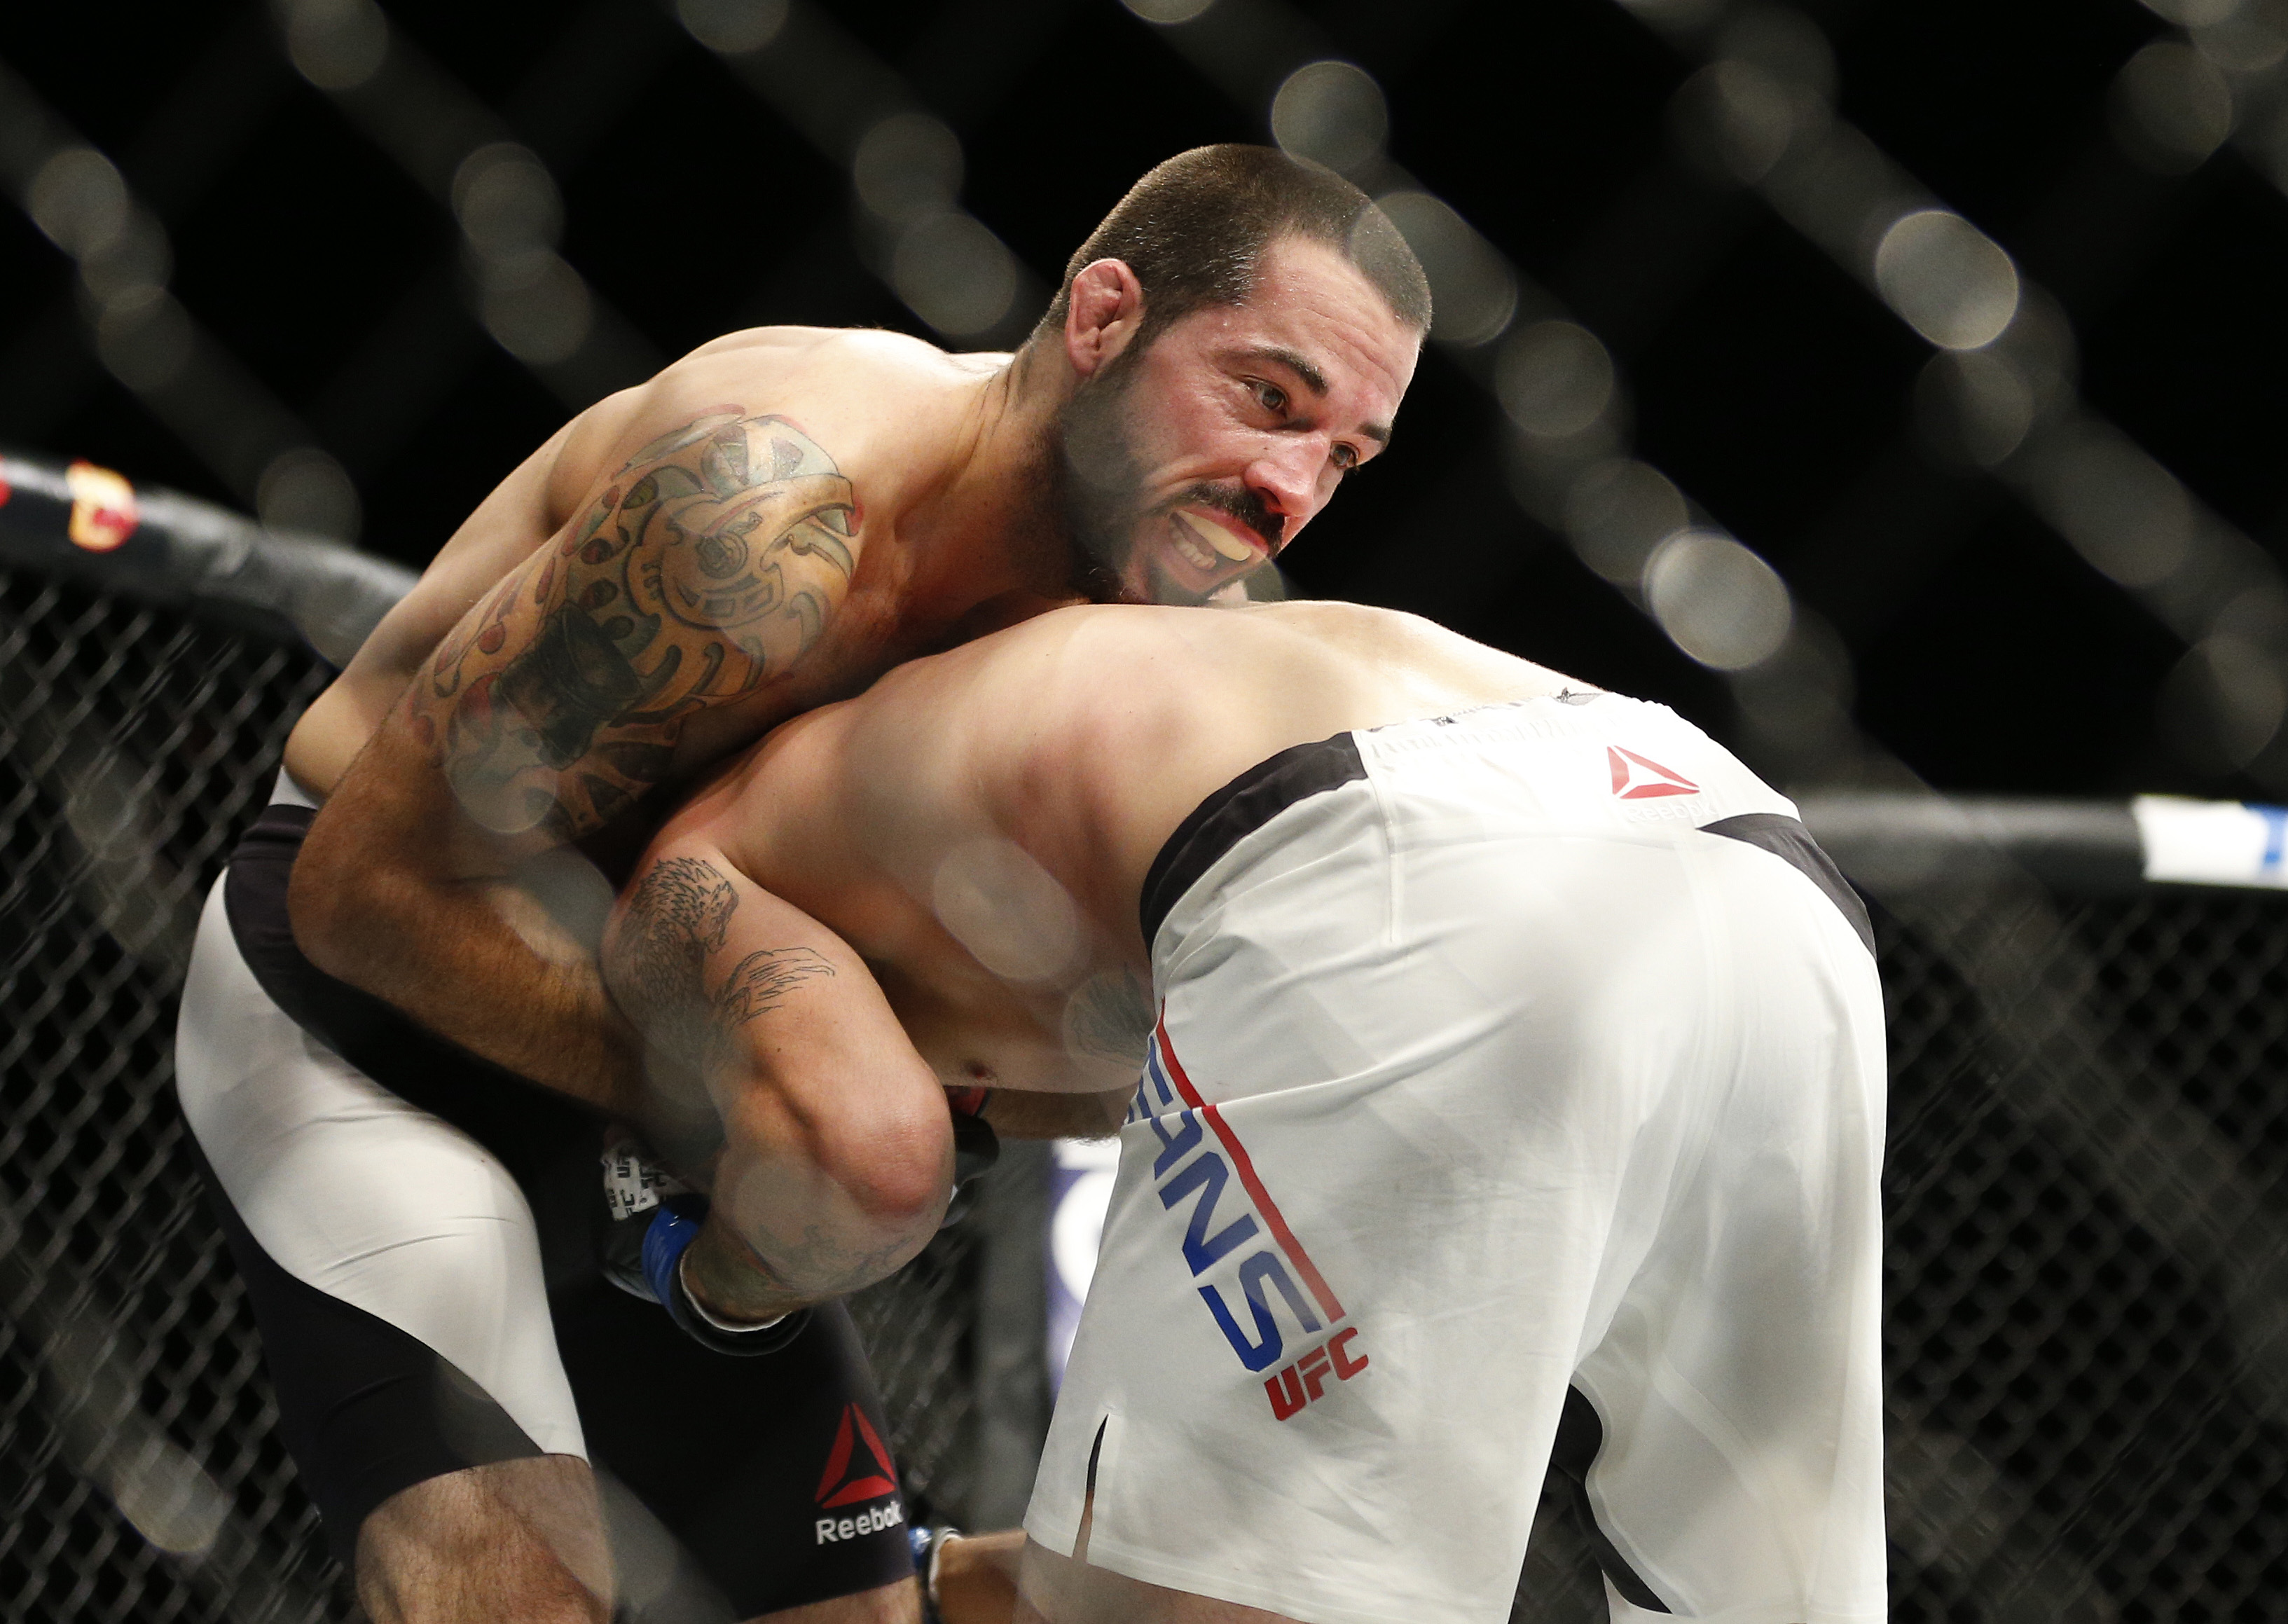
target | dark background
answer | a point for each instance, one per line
(1766, 382)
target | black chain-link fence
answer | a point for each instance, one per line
(142, 1477)
(2086, 1309)
(2087, 1331)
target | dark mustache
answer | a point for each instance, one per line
(1242, 505)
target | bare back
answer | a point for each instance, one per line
(978, 824)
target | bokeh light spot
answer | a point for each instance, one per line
(1718, 601)
(1331, 113)
(1946, 279)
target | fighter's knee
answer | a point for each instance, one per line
(520, 1539)
(893, 1604)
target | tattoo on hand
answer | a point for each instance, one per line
(711, 563)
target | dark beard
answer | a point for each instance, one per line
(1096, 486)
(1091, 485)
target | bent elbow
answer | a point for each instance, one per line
(894, 1167)
(342, 906)
(321, 909)
(902, 1182)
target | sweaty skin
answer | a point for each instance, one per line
(769, 525)
(766, 526)
(974, 831)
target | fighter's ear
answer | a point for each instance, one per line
(1102, 315)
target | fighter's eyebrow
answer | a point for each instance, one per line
(1314, 380)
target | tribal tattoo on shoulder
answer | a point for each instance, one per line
(677, 914)
(712, 562)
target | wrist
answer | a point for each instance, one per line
(730, 1285)
(721, 1322)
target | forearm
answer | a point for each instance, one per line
(447, 956)
(474, 958)
(789, 1227)
(837, 1152)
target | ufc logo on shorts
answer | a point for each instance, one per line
(1249, 1252)
(1305, 1381)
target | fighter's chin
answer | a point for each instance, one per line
(1149, 581)
(1158, 572)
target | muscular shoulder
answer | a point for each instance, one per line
(870, 347)
(883, 407)
(853, 366)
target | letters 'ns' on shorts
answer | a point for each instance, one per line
(1519, 1088)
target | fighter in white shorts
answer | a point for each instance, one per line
(1514, 1092)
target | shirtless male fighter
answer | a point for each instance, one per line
(1513, 1080)
(768, 524)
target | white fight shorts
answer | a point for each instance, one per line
(1518, 1094)
(418, 1233)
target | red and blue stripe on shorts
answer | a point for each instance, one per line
(1253, 1261)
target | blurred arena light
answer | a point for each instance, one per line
(1723, 605)
(2017, 412)
(2225, 700)
(1331, 113)
(2128, 516)
(2250, 37)
(1555, 379)
(951, 270)
(535, 305)
(1564, 399)
(532, 302)
(2172, 107)
(144, 336)
(905, 164)
(2166, 109)
(1168, 12)
(1473, 290)
(954, 274)
(1617, 511)
(907, 167)
(2192, 13)
(733, 28)
(1946, 279)
(1974, 407)
(336, 44)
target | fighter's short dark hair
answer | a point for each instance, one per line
(1194, 229)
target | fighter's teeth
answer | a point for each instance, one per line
(1221, 539)
(1193, 554)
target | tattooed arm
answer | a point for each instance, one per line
(837, 1148)
(707, 563)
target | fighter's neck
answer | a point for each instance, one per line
(975, 535)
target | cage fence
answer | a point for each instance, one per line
(2087, 1310)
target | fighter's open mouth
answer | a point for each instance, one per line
(1192, 529)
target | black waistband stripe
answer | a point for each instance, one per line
(1791, 843)
(1238, 809)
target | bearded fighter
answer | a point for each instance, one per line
(1512, 1077)
(396, 1052)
